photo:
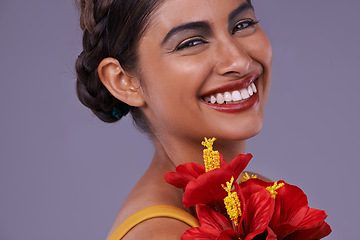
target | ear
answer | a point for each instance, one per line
(122, 86)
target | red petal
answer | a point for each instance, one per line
(271, 234)
(268, 234)
(184, 174)
(285, 230)
(239, 163)
(200, 233)
(178, 180)
(322, 231)
(290, 206)
(223, 163)
(313, 217)
(252, 186)
(206, 188)
(212, 219)
(311, 227)
(293, 217)
(257, 214)
(311, 234)
(193, 169)
(228, 235)
(213, 226)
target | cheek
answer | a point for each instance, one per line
(261, 49)
(180, 78)
(171, 87)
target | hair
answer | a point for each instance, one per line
(111, 28)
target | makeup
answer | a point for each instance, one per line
(235, 107)
(233, 97)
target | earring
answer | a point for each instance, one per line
(116, 113)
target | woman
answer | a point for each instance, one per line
(185, 70)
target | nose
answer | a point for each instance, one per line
(231, 58)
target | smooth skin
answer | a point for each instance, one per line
(211, 43)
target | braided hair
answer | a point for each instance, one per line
(111, 28)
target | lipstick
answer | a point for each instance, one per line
(233, 97)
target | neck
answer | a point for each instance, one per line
(171, 152)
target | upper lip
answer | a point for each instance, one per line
(235, 85)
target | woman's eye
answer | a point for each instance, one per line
(190, 43)
(244, 24)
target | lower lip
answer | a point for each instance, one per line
(235, 107)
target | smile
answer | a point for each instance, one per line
(232, 97)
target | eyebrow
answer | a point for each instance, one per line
(243, 7)
(201, 25)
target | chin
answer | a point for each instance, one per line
(243, 130)
(250, 131)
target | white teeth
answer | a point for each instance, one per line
(236, 96)
(220, 98)
(253, 88)
(250, 91)
(227, 97)
(233, 97)
(244, 93)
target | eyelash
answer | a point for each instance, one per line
(190, 43)
(196, 41)
(244, 24)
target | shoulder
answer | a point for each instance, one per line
(162, 220)
(150, 193)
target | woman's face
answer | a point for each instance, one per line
(199, 61)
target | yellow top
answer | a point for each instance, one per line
(153, 212)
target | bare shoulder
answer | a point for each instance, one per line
(152, 228)
(151, 191)
(157, 228)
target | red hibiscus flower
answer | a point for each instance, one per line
(250, 222)
(203, 184)
(253, 209)
(188, 172)
(268, 211)
(292, 218)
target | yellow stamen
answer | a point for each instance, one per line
(247, 177)
(232, 203)
(273, 189)
(211, 157)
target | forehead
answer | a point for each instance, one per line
(175, 12)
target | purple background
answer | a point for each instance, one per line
(64, 174)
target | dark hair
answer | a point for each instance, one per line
(111, 28)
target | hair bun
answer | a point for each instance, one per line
(111, 28)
